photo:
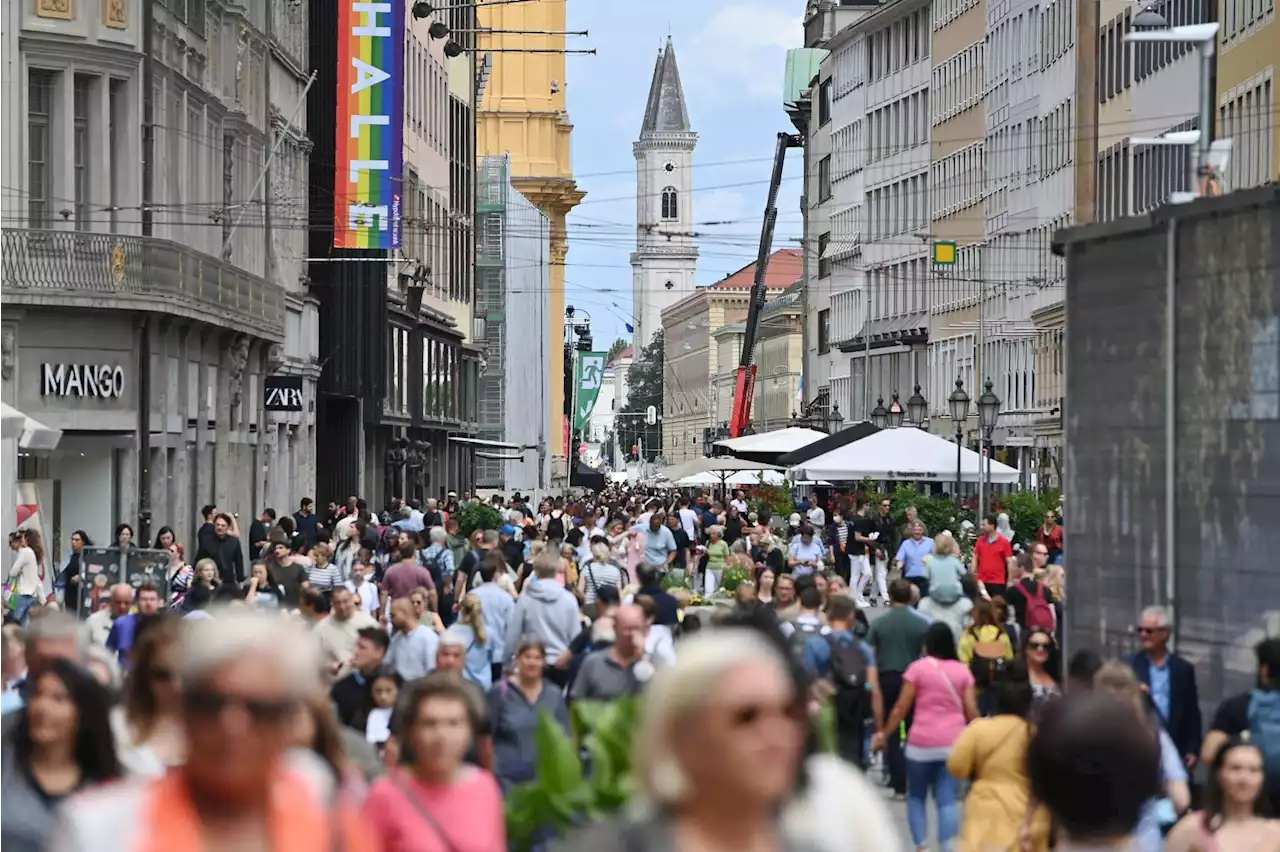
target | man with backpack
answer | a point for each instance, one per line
(1256, 711)
(807, 623)
(848, 665)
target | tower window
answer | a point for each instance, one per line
(670, 204)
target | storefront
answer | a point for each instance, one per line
(79, 372)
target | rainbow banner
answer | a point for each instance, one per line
(369, 151)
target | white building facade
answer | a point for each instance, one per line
(664, 264)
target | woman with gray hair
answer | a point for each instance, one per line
(515, 706)
(242, 677)
(718, 752)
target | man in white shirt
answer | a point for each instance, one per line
(688, 519)
(339, 630)
(118, 606)
(366, 591)
(739, 502)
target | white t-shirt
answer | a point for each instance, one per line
(817, 517)
(368, 595)
(740, 505)
(689, 523)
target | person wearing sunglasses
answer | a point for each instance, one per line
(241, 676)
(719, 752)
(151, 738)
(1170, 680)
(1044, 667)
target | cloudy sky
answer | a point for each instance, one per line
(732, 56)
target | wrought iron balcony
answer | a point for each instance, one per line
(65, 268)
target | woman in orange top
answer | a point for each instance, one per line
(243, 674)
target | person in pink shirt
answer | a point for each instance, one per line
(434, 801)
(941, 691)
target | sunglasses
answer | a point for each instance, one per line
(1147, 631)
(211, 704)
(1039, 646)
(748, 715)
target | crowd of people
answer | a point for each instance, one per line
(361, 681)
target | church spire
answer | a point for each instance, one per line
(665, 111)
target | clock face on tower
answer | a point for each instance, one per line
(669, 166)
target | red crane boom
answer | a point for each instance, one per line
(744, 386)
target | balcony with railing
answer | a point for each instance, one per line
(60, 268)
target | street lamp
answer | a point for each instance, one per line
(879, 416)
(959, 403)
(988, 414)
(917, 408)
(896, 412)
(836, 418)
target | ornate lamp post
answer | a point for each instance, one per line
(896, 412)
(917, 408)
(988, 414)
(879, 415)
(959, 404)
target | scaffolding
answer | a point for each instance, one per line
(491, 303)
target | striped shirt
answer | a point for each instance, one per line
(324, 577)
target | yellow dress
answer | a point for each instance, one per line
(993, 753)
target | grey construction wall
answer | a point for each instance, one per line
(1224, 589)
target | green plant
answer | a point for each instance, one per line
(733, 577)
(1026, 510)
(478, 516)
(562, 794)
(675, 580)
(778, 499)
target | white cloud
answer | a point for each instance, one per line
(744, 45)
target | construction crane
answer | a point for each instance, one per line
(744, 386)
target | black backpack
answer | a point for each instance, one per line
(848, 666)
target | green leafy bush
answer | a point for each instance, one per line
(478, 516)
(778, 499)
(733, 577)
(561, 795)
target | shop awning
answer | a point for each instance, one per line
(481, 442)
(901, 454)
(778, 441)
(31, 434)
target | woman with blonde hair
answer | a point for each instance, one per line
(151, 738)
(477, 667)
(718, 753)
(717, 558)
(943, 571)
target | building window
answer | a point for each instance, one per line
(824, 101)
(670, 203)
(80, 142)
(39, 146)
(824, 331)
(824, 178)
(824, 263)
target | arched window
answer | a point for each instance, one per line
(670, 207)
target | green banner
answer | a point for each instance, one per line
(590, 372)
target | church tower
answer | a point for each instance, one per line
(665, 260)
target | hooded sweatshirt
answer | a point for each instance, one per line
(549, 611)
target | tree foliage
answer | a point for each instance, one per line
(644, 388)
(614, 349)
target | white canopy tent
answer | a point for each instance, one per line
(720, 466)
(905, 453)
(778, 441)
(745, 477)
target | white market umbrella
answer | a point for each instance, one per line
(778, 441)
(905, 453)
(30, 433)
(744, 477)
(721, 466)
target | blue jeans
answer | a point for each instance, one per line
(22, 608)
(923, 776)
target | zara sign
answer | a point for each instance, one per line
(283, 393)
(105, 381)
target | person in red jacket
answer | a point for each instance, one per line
(1050, 535)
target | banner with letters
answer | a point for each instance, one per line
(282, 393)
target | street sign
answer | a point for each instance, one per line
(944, 253)
(651, 415)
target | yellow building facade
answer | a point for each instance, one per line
(523, 114)
(1248, 91)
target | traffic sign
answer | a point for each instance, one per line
(944, 253)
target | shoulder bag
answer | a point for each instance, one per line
(421, 807)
